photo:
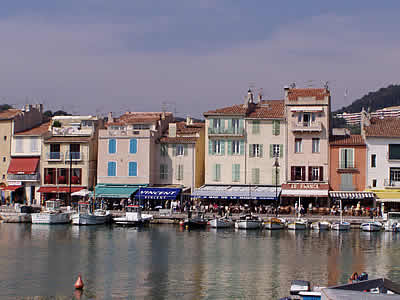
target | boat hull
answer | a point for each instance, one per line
(341, 226)
(248, 224)
(51, 218)
(297, 226)
(131, 223)
(218, 223)
(370, 227)
(89, 219)
(320, 226)
(273, 225)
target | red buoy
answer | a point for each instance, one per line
(79, 283)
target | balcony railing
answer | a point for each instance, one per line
(346, 165)
(24, 177)
(75, 156)
(54, 156)
(307, 126)
(391, 183)
(226, 131)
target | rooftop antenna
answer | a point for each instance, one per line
(326, 85)
(292, 85)
(310, 83)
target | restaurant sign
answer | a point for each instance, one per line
(306, 186)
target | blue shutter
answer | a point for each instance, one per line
(132, 168)
(133, 146)
(111, 170)
(112, 146)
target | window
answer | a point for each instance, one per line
(276, 127)
(63, 176)
(164, 149)
(346, 182)
(216, 147)
(315, 145)
(50, 176)
(236, 172)
(306, 119)
(112, 168)
(298, 145)
(346, 158)
(19, 146)
(394, 151)
(5, 139)
(4, 159)
(256, 127)
(217, 172)
(255, 150)
(163, 171)
(4, 176)
(179, 172)
(132, 168)
(373, 182)
(373, 160)
(314, 173)
(255, 176)
(76, 176)
(394, 175)
(141, 126)
(275, 150)
(180, 150)
(235, 126)
(74, 151)
(55, 151)
(217, 123)
(112, 146)
(34, 145)
(298, 173)
(132, 146)
(235, 147)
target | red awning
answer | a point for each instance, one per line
(11, 187)
(23, 165)
(51, 189)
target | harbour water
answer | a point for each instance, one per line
(165, 262)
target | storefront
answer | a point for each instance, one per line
(62, 193)
(116, 195)
(310, 195)
(388, 200)
(15, 193)
(157, 196)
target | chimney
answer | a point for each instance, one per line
(163, 115)
(250, 96)
(110, 118)
(188, 121)
(365, 121)
(172, 130)
(27, 107)
(259, 97)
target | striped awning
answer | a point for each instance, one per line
(351, 195)
(236, 192)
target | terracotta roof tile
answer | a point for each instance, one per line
(185, 133)
(138, 118)
(183, 140)
(9, 113)
(68, 139)
(266, 109)
(319, 94)
(182, 128)
(346, 140)
(387, 127)
(38, 130)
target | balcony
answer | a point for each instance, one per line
(75, 156)
(226, 131)
(54, 156)
(23, 177)
(306, 126)
(347, 167)
(391, 183)
(72, 131)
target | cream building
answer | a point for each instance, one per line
(69, 156)
(243, 144)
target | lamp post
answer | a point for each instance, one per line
(276, 165)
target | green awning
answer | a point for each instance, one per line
(116, 190)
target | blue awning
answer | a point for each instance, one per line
(237, 192)
(157, 193)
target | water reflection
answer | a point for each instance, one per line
(165, 262)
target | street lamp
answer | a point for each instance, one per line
(276, 165)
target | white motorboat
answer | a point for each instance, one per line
(275, 224)
(133, 217)
(299, 224)
(85, 215)
(393, 221)
(371, 226)
(223, 222)
(321, 225)
(52, 214)
(248, 221)
(340, 226)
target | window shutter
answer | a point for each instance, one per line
(350, 157)
(210, 147)
(277, 127)
(303, 173)
(173, 149)
(292, 173)
(112, 146)
(177, 172)
(313, 117)
(132, 168)
(342, 158)
(241, 125)
(299, 118)
(261, 150)
(222, 124)
(230, 147)
(251, 154)
(111, 170)
(321, 173)
(212, 123)
(230, 125)
(215, 172)
(241, 147)
(222, 147)
(281, 150)
(271, 150)
(185, 149)
(309, 173)
(180, 172)
(218, 172)
(133, 146)
(256, 176)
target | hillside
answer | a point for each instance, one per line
(384, 97)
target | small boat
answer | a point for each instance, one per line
(299, 224)
(297, 286)
(371, 226)
(52, 214)
(197, 221)
(224, 222)
(133, 217)
(321, 225)
(85, 215)
(249, 221)
(274, 223)
(340, 226)
(393, 221)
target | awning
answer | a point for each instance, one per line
(236, 192)
(11, 188)
(351, 195)
(115, 190)
(304, 193)
(158, 193)
(389, 200)
(54, 189)
(307, 108)
(23, 165)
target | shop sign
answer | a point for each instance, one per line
(13, 182)
(304, 186)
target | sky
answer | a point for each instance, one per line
(188, 57)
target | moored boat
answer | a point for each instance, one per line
(223, 222)
(340, 226)
(133, 217)
(52, 214)
(274, 224)
(298, 224)
(321, 225)
(197, 221)
(393, 221)
(85, 215)
(371, 226)
(248, 221)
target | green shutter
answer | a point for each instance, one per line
(230, 125)
(222, 147)
(280, 150)
(185, 149)
(241, 147)
(230, 147)
(210, 148)
(350, 156)
(241, 125)
(261, 150)
(222, 124)
(255, 175)
(271, 150)
(256, 127)
(342, 158)
(278, 127)
(251, 154)
(236, 172)
(215, 172)
(173, 149)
